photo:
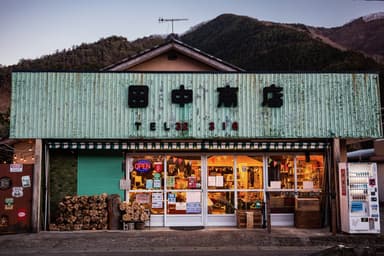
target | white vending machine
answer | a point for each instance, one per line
(359, 198)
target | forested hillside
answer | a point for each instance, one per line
(260, 46)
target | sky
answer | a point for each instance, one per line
(30, 29)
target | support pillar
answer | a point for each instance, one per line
(36, 197)
(339, 155)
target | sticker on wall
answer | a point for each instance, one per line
(17, 192)
(8, 203)
(158, 166)
(16, 168)
(4, 221)
(125, 184)
(5, 183)
(149, 184)
(22, 214)
(26, 181)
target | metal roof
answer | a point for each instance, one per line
(95, 106)
(176, 45)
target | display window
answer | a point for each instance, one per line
(310, 172)
(218, 185)
(221, 203)
(250, 172)
(220, 172)
(248, 200)
(183, 172)
(281, 172)
(188, 202)
(290, 173)
(282, 202)
(150, 200)
(183, 184)
(147, 173)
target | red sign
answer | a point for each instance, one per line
(22, 214)
(343, 182)
(158, 166)
(143, 165)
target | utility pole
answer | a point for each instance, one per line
(161, 20)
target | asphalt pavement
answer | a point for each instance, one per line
(207, 241)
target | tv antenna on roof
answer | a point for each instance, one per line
(161, 20)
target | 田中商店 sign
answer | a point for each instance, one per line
(144, 105)
(227, 97)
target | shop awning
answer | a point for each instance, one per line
(190, 146)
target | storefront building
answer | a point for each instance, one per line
(194, 146)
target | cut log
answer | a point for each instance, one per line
(81, 213)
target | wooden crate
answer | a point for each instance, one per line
(307, 219)
(249, 218)
(307, 204)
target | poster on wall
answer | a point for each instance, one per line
(157, 200)
(16, 168)
(171, 198)
(26, 181)
(149, 184)
(194, 207)
(219, 181)
(157, 184)
(142, 198)
(193, 197)
(211, 181)
(171, 181)
(125, 184)
(343, 179)
(181, 206)
(8, 203)
(192, 182)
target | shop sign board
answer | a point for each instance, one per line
(139, 105)
(143, 165)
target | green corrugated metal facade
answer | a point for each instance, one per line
(95, 106)
(99, 173)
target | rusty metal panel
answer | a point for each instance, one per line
(16, 197)
(95, 105)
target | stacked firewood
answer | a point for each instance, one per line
(134, 212)
(82, 213)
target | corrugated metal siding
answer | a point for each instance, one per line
(95, 105)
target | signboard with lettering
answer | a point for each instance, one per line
(143, 165)
(145, 105)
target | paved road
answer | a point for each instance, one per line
(172, 251)
(162, 242)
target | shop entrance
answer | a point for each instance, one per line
(206, 190)
(171, 186)
(195, 190)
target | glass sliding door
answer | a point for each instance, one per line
(250, 182)
(205, 190)
(221, 176)
(146, 178)
(184, 191)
